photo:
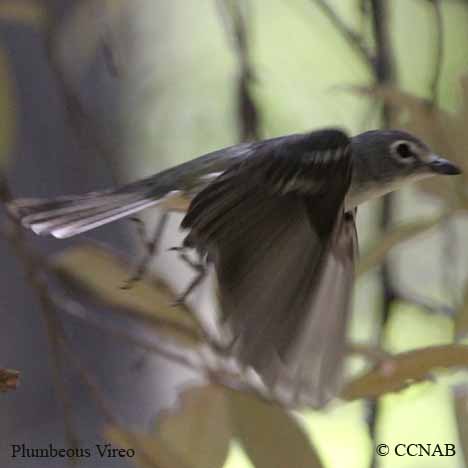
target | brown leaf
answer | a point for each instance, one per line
(395, 236)
(9, 379)
(148, 453)
(270, 435)
(400, 370)
(196, 434)
(100, 273)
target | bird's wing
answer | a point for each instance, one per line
(283, 251)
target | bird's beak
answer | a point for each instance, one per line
(443, 166)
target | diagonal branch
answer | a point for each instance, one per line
(33, 270)
(384, 71)
(234, 17)
(439, 51)
(354, 39)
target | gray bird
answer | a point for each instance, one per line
(276, 218)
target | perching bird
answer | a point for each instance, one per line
(276, 218)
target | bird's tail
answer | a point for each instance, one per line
(67, 216)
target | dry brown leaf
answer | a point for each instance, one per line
(196, 434)
(9, 379)
(402, 369)
(100, 272)
(148, 453)
(269, 434)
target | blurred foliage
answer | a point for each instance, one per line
(26, 12)
(374, 254)
(7, 109)
(101, 275)
(198, 432)
(207, 418)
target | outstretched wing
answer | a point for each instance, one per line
(283, 249)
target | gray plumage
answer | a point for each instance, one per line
(278, 224)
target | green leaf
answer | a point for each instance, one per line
(400, 370)
(100, 272)
(270, 435)
(395, 236)
(196, 434)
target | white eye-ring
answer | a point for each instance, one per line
(403, 150)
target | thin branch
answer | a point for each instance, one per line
(384, 72)
(35, 267)
(450, 259)
(429, 305)
(439, 52)
(351, 37)
(234, 16)
(210, 364)
(33, 270)
(163, 347)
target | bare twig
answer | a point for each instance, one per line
(163, 347)
(384, 74)
(210, 364)
(234, 16)
(79, 120)
(353, 38)
(424, 303)
(32, 266)
(449, 259)
(439, 52)
(35, 266)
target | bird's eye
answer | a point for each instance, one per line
(404, 151)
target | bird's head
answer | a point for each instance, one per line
(384, 160)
